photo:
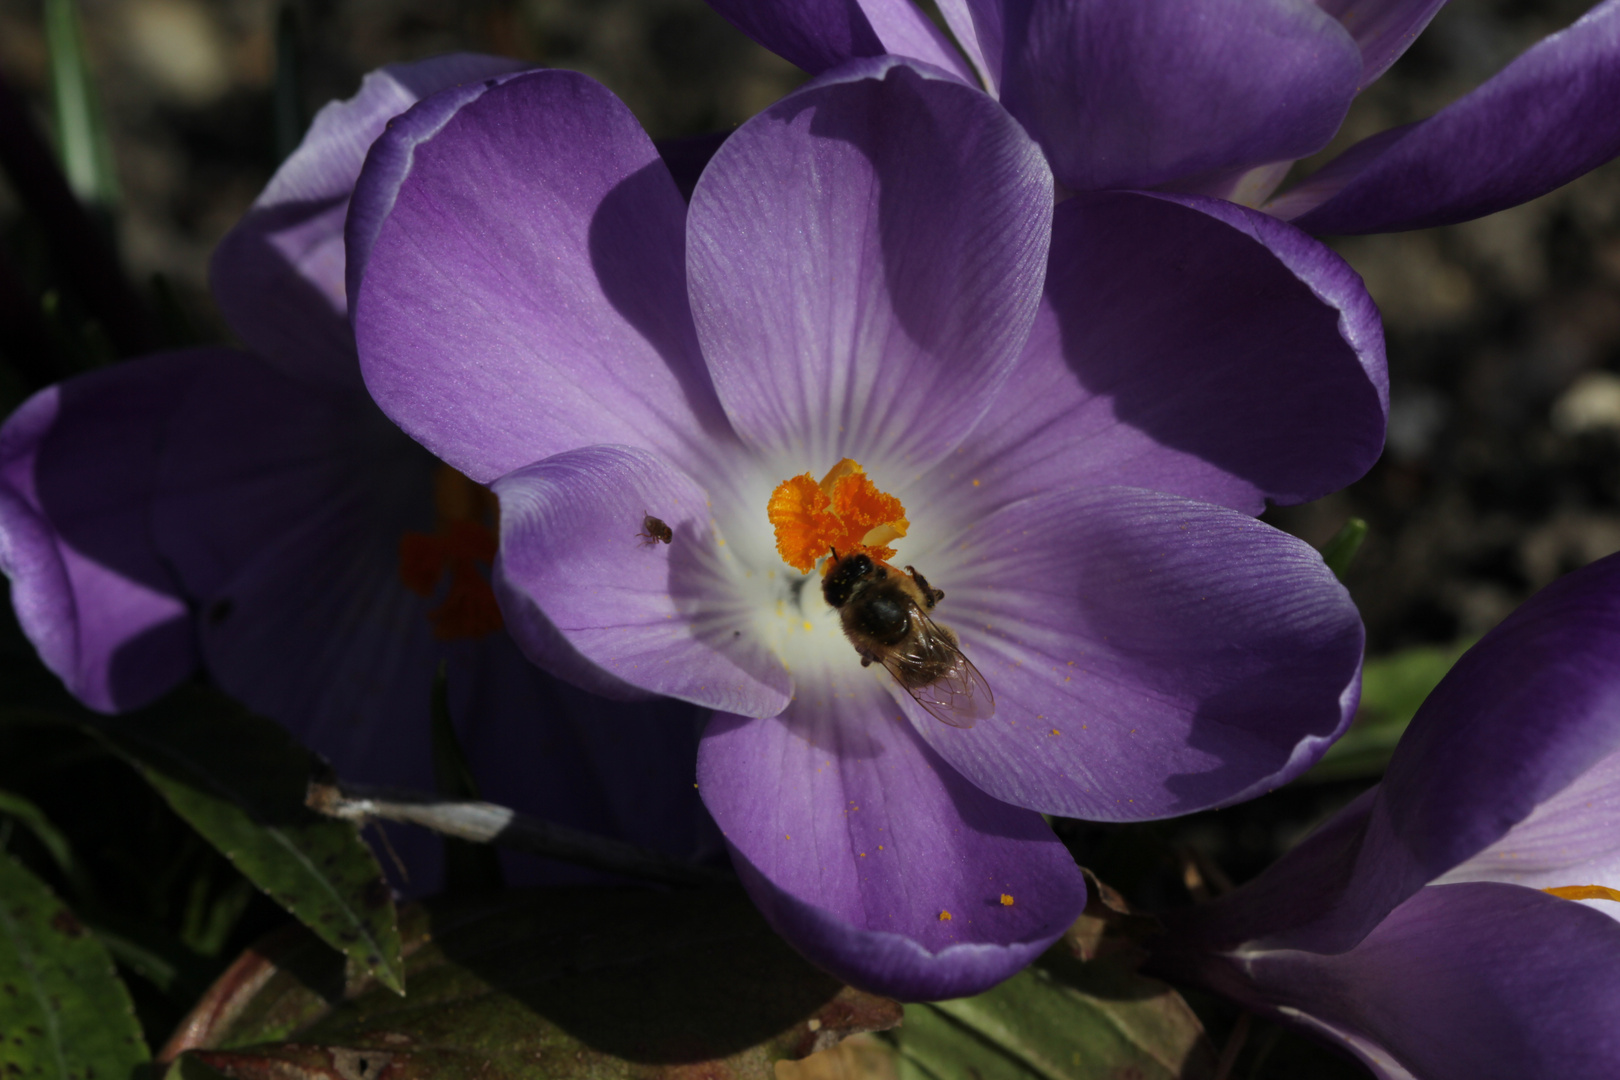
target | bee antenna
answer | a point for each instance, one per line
(834, 552)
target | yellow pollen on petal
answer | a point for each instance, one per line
(944, 916)
(845, 513)
(1584, 892)
(1006, 900)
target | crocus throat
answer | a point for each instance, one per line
(845, 512)
(462, 539)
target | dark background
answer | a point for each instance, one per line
(1502, 470)
(1503, 466)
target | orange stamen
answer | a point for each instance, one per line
(845, 512)
(462, 540)
(1584, 892)
(802, 514)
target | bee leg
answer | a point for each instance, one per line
(934, 595)
(866, 659)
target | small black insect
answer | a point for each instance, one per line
(654, 531)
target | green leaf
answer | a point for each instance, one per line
(81, 136)
(1392, 688)
(63, 1012)
(1062, 1019)
(55, 844)
(451, 770)
(1340, 551)
(240, 780)
(592, 983)
(287, 95)
(468, 867)
(178, 330)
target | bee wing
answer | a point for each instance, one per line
(960, 697)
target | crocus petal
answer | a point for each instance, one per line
(905, 31)
(278, 275)
(1525, 713)
(976, 24)
(525, 291)
(1183, 345)
(1459, 982)
(281, 505)
(686, 158)
(1383, 29)
(1149, 655)
(821, 34)
(1234, 82)
(856, 841)
(1568, 840)
(592, 600)
(865, 260)
(543, 747)
(1540, 122)
(92, 591)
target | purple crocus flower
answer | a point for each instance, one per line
(860, 276)
(257, 515)
(1220, 97)
(1416, 928)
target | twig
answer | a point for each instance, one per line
(487, 823)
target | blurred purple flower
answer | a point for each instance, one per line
(256, 514)
(1220, 97)
(534, 302)
(1404, 929)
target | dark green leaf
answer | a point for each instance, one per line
(178, 330)
(1392, 688)
(240, 780)
(288, 94)
(81, 136)
(468, 867)
(188, 1067)
(63, 1012)
(55, 844)
(451, 770)
(1062, 1019)
(587, 982)
(1340, 551)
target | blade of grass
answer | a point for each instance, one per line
(81, 134)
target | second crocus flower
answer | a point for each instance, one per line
(1221, 97)
(255, 516)
(1459, 920)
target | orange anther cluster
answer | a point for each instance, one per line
(462, 541)
(845, 512)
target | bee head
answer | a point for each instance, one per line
(845, 578)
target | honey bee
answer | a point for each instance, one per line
(885, 616)
(654, 531)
